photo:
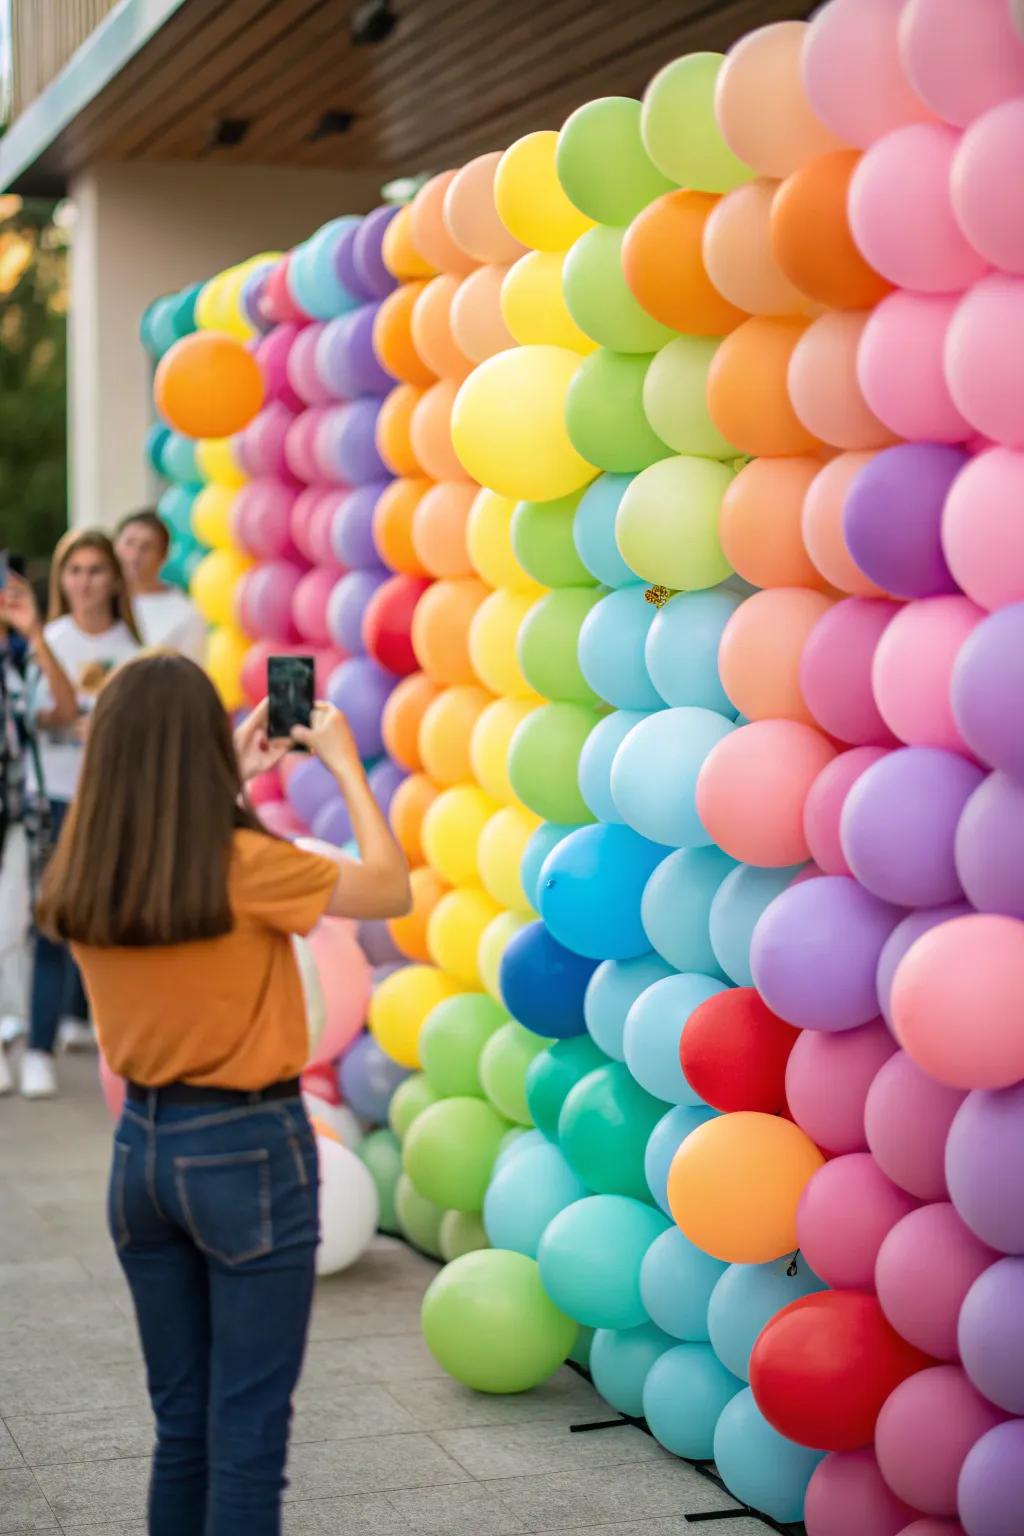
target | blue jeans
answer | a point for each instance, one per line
(213, 1210)
(56, 985)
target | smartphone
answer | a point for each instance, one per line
(290, 692)
(9, 562)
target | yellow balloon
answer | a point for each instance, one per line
(493, 942)
(492, 642)
(529, 197)
(214, 581)
(399, 1006)
(533, 304)
(226, 650)
(500, 853)
(489, 746)
(508, 425)
(207, 303)
(234, 320)
(450, 831)
(211, 516)
(217, 463)
(489, 543)
(453, 933)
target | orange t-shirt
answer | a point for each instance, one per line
(225, 1012)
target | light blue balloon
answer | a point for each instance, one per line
(526, 1194)
(590, 888)
(179, 459)
(676, 1281)
(590, 1258)
(676, 907)
(735, 910)
(596, 758)
(611, 649)
(612, 991)
(746, 1298)
(547, 835)
(758, 1465)
(620, 1359)
(513, 1145)
(312, 275)
(684, 1395)
(664, 1142)
(654, 1026)
(593, 530)
(654, 774)
(682, 649)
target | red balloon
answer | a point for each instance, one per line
(822, 1368)
(734, 1051)
(387, 623)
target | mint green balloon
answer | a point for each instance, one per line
(461, 1232)
(666, 527)
(605, 416)
(381, 1151)
(454, 1034)
(450, 1151)
(553, 1074)
(504, 1063)
(679, 128)
(409, 1100)
(547, 644)
(675, 399)
(419, 1220)
(603, 1130)
(544, 757)
(542, 540)
(599, 298)
(602, 163)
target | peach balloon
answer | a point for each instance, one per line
(392, 525)
(471, 216)
(760, 650)
(759, 523)
(400, 721)
(392, 335)
(394, 420)
(822, 525)
(823, 384)
(738, 254)
(811, 239)
(409, 804)
(752, 788)
(663, 263)
(409, 933)
(398, 252)
(761, 106)
(478, 326)
(446, 731)
(439, 528)
(431, 432)
(429, 232)
(432, 329)
(747, 393)
(440, 629)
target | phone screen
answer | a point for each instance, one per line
(290, 683)
(4, 567)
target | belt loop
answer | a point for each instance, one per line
(152, 1097)
(255, 1097)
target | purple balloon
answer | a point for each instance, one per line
(344, 263)
(384, 778)
(892, 517)
(309, 789)
(360, 689)
(815, 952)
(990, 1489)
(352, 528)
(991, 1334)
(346, 606)
(332, 822)
(252, 298)
(345, 357)
(985, 1166)
(377, 944)
(368, 253)
(899, 941)
(987, 690)
(346, 443)
(990, 846)
(899, 822)
(367, 1079)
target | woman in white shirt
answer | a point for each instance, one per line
(166, 618)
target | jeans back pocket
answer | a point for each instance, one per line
(225, 1203)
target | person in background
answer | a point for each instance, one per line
(181, 908)
(167, 619)
(91, 631)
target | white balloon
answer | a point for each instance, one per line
(312, 992)
(337, 1117)
(348, 1207)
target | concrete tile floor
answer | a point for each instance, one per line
(384, 1443)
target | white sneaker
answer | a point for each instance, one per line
(12, 1027)
(76, 1035)
(38, 1076)
(6, 1080)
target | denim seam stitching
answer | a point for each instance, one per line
(123, 1237)
(293, 1142)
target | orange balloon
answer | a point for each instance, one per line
(759, 523)
(477, 323)
(471, 217)
(760, 650)
(409, 804)
(824, 387)
(394, 420)
(738, 253)
(432, 432)
(440, 629)
(208, 385)
(393, 339)
(398, 253)
(429, 231)
(400, 722)
(432, 329)
(446, 731)
(746, 391)
(409, 933)
(811, 239)
(822, 525)
(663, 263)
(392, 525)
(439, 528)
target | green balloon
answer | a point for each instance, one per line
(553, 1074)
(581, 1349)
(461, 1232)
(675, 398)
(381, 1151)
(543, 761)
(179, 459)
(666, 527)
(408, 1102)
(680, 131)
(543, 543)
(547, 644)
(604, 413)
(450, 1151)
(600, 300)
(489, 1322)
(603, 1130)
(602, 163)
(419, 1220)
(504, 1063)
(454, 1033)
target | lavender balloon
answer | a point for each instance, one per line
(990, 1489)
(346, 606)
(987, 690)
(985, 1166)
(367, 1079)
(252, 298)
(309, 789)
(360, 689)
(899, 941)
(991, 1334)
(892, 517)
(345, 358)
(377, 943)
(990, 846)
(332, 822)
(344, 262)
(368, 254)
(352, 528)
(384, 778)
(346, 443)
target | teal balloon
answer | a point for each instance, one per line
(160, 329)
(612, 991)
(547, 835)
(590, 1258)
(175, 508)
(676, 1281)
(737, 905)
(553, 1073)
(612, 638)
(654, 1027)
(526, 1194)
(593, 530)
(312, 274)
(654, 775)
(548, 645)
(681, 650)
(601, 301)
(596, 758)
(604, 1127)
(746, 1298)
(183, 310)
(157, 439)
(684, 1396)
(604, 413)
(620, 1359)
(542, 542)
(665, 1140)
(581, 1349)
(179, 459)
(676, 907)
(758, 1465)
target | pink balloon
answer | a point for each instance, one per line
(113, 1088)
(318, 529)
(278, 817)
(326, 659)
(901, 368)
(913, 665)
(345, 979)
(907, 1117)
(268, 593)
(852, 72)
(987, 186)
(845, 1211)
(821, 524)
(929, 1527)
(261, 519)
(925, 1267)
(924, 1431)
(984, 358)
(835, 670)
(309, 605)
(847, 1496)
(824, 806)
(983, 530)
(827, 1082)
(752, 787)
(265, 788)
(899, 941)
(823, 384)
(322, 1083)
(300, 443)
(271, 353)
(961, 56)
(304, 510)
(303, 375)
(262, 450)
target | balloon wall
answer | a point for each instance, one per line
(650, 492)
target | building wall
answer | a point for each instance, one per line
(44, 35)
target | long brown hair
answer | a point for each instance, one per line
(90, 538)
(144, 853)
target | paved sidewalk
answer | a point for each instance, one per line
(384, 1445)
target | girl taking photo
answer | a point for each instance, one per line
(180, 911)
